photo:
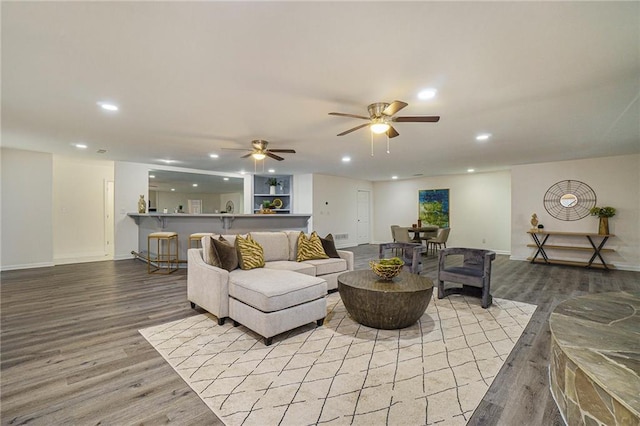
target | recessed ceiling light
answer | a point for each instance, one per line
(427, 94)
(152, 176)
(225, 178)
(242, 172)
(80, 145)
(214, 155)
(271, 171)
(108, 107)
(394, 177)
(483, 137)
(471, 170)
(194, 185)
(167, 161)
(173, 189)
(346, 159)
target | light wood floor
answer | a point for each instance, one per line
(71, 352)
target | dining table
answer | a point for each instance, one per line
(432, 230)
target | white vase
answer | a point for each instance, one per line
(272, 190)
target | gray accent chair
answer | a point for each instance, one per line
(474, 274)
(411, 254)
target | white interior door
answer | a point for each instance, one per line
(363, 217)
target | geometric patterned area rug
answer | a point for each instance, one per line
(344, 373)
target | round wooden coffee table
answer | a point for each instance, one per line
(389, 305)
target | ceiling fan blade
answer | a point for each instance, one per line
(275, 157)
(392, 133)
(394, 107)
(235, 149)
(248, 155)
(417, 119)
(353, 129)
(340, 114)
(290, 151)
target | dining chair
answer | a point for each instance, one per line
(393, 232)
(394, 229)
(402, 235)
(440, 239)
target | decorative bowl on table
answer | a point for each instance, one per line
(387, 269)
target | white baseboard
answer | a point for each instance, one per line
(26, 266)
(82, 259)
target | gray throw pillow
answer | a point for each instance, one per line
(226, 254)
(329, 246)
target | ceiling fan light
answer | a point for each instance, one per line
(258, 155)
(379, 128)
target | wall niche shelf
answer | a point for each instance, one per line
(283, 191)
(540, 238)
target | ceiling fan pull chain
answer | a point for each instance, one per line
(372, 144)
(388, 151)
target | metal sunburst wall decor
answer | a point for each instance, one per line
(569, 200)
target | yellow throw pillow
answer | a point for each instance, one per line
(310, 248)
(250, 253)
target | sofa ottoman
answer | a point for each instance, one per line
(272, 301)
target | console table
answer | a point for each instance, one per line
(540, 238)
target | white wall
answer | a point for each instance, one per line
(170, 200)
(479, 204)
(335, 207)
(27, 219)
(79, 210)
(616, 182)
(236, 198)
(132, 180)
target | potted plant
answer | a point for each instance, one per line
(272, 182)
(604, 213)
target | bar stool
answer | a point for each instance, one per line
(197, 238)
(163, 257)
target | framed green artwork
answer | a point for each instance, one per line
(433, 207)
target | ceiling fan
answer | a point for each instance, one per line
(260, 151)
(381, 115)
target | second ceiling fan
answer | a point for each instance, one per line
(381, 115)
(260, 151)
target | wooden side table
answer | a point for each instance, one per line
(540, 238)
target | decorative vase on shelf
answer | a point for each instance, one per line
(534, 221)
(142, 205)
(603, 228)
(272, 190)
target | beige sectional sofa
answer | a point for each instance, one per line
(283, 295)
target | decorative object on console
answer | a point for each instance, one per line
(277, 203)
(433, 207)
(569, 200)
(142, 205)
(534, 221)
(604, 213)
(273, 182)
(387, 269)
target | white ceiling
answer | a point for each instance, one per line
(549, 80)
